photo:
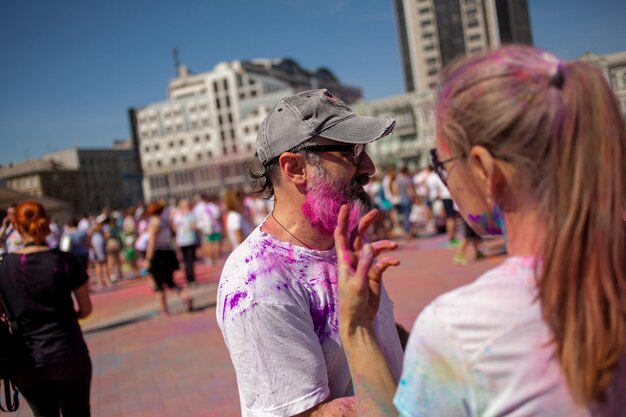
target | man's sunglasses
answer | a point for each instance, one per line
(356, 151)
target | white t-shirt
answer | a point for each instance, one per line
(277, 309)
(235, 221)
(436, 187)
(484, 350)
(203, 218)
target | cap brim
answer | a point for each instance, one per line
(359, 129)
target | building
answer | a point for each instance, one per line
(88, 179)
(433, 33)
(414, 134)
(202, 138)
(613, 66)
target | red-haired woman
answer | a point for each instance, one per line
(53, 371)
(161, 258)
(536, 147)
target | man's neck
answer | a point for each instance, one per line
(289, 224)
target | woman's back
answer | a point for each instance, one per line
(37, 287)
(485, 350)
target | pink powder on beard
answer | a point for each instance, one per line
(322, 203)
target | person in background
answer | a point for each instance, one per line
(185, 231)
(10, 239)
(76, 241)
(237, 225)
(471, 238)
(54, 238)
(99, 256)
(112, 233)
(52, 370)
(526, 143)
(161, 259)
(406, 192)
(129, 236)
(215, 238)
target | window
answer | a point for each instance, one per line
(227, 101)
(207, 138)
(199, 156)
(426, 23)
(225, 84)
(171, 144)
(218, 104)
(234, 148)
(230, 117)
(224, 150)
(424, 10)
(246, 130)
(427, 35)
(146, 149)
(432, 71)
(215, 88)
(196, 139)
(181, 142)
(156, 147)
(472, 23)
(183, 159)
(431, 61)
(232, 133)
(210, 154)
(249, 147)
(253, 93)
(173, 161)
(475, 37)
(429, 47)
(223, 135)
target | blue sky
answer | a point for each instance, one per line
(70, 69)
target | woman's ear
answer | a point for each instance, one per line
(487, 172)
(293, 168)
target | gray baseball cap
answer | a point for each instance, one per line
(299, 117)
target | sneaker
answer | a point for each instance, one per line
(459, 259)
(453, 243)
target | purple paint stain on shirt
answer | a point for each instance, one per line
(234, 300)
(251, 278)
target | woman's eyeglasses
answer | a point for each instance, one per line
(357, 151)
(439, 166)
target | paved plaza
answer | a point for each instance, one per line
(148, 365)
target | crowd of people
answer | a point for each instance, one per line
(112, 245)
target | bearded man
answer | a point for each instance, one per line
(277, 296)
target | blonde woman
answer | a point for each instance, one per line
(536, 147)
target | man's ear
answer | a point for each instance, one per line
(487, 172)
(293, 168)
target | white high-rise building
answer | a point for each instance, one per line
(613, 66)
(202, 138)
(433, 33)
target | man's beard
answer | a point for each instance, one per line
(325, 197)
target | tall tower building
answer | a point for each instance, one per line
(434, 32)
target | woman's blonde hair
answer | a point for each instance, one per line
(559, 124)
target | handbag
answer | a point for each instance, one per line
(8, 345)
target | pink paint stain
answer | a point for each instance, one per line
(322, 204)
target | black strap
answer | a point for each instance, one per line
(12, 401)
